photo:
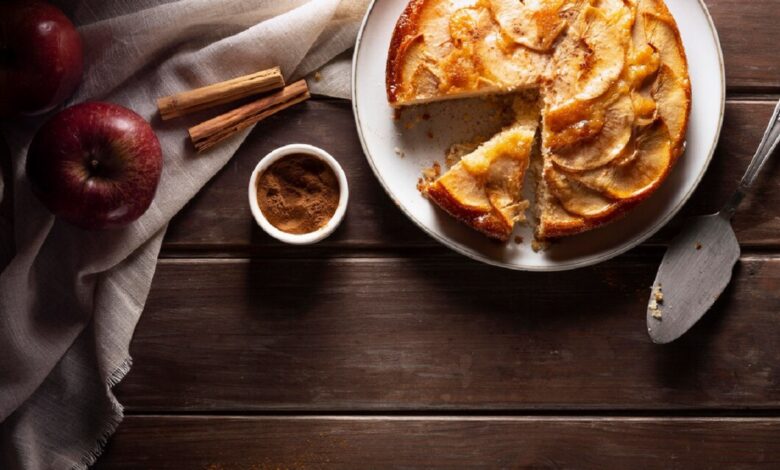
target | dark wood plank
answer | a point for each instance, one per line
(255, 443)
(442, 333)
(748, 36)
(219, 215)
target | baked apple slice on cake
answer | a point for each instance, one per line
(610, 139)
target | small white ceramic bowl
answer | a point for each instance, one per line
(303, 238)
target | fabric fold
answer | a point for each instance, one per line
(70, 299)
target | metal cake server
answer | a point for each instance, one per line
(699, 262)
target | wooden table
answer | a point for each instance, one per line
(380, 348)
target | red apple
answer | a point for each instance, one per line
(95, 165)
(41, 57)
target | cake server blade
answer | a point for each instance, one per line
(699, 262)
(696, 269)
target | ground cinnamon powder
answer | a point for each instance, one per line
(298, 193)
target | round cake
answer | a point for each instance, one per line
(602, 84)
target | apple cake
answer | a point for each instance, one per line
(612, 112)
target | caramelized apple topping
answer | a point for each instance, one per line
(616, 112)
(615, 94)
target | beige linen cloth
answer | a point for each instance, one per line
(70, 299)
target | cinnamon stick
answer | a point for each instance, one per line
(219, 93)
(209, 133)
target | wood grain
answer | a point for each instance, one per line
(423, 331)
(220, 215)
(748, 36)
(259, 443)
(444, 333)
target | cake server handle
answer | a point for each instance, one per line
(765, 149)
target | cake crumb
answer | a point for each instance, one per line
(698, 246)
(655, 310)
(317, 76)
(518, 240)
(538, 245)
(433, 172)
(429, 175)
(658, 294)
(654, 306)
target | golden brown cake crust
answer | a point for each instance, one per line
(560, 229)
(491, 224)
(405, 32)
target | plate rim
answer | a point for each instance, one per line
(557, 267)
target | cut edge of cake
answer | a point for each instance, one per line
(484, 189)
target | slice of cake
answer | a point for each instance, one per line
(484, 189)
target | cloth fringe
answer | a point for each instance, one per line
(112, 422)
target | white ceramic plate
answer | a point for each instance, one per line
(421, 139)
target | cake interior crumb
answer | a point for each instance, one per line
(429, 175)
(539, 245)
